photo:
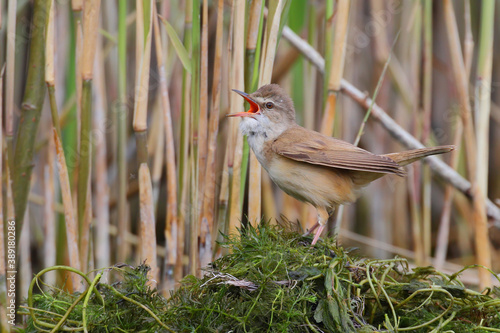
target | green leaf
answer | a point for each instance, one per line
(456, 291)
(297, 15)
(303, 273)
(318, 314)
(181, 51)
(334, 310)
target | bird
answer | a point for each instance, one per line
(321, 170)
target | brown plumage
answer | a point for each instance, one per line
(314, 168)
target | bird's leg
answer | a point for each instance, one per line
(322, 219)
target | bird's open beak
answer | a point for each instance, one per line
(254, 107)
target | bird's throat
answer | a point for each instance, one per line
(261, 132)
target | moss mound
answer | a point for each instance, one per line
(273, 281)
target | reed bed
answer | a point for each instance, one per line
(116, 148)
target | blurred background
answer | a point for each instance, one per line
(133, 158)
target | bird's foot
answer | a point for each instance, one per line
(317, 234)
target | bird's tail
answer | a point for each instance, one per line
(406, 157)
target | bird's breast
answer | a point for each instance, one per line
(258, 141)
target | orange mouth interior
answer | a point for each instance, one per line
(254, 107)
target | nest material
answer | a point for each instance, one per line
(273, 281)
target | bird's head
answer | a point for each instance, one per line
(271, 110)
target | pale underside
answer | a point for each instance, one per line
(318, 185)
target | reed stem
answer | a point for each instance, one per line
(34, 95)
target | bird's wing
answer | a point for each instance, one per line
(302, 145)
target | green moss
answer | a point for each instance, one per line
(273, 281)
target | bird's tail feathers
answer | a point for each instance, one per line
(406, 157)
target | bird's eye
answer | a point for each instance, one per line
(269, 105)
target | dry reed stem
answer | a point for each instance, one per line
(207, 211)
(171, 223)
(102, 245)
(269, 49)
(236, 105)
(254, 208)
(147, 216)
(414, 58)
(444, 223)
(49, 190)
(85, 229)
(157, 149)
(79, 85)
(483, 93)
(223, 203)
(50, 47)
(462, 84)
(49, 226)
(142, 81)
(416, 227)
(253, 24)
(396, 131)
(139, 37)
(184, 182)
(10, 210)
(69, 215)
(234, 198)
(468, 39)
(90, 29)
(146, 206)
(85, 172)
(9, 205)
(255, 176)
(121, 136)
(91, 11)
(10, 67)
(32, 103)
(328, 121)
(483, 254)
(203, 100)
(193, 249)
(204, 232)
(337, 65)
(270, 207)
(4, 325)
(426, 118)
(483, 105)
(25, 272)
(156, 146)
(184, 157)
